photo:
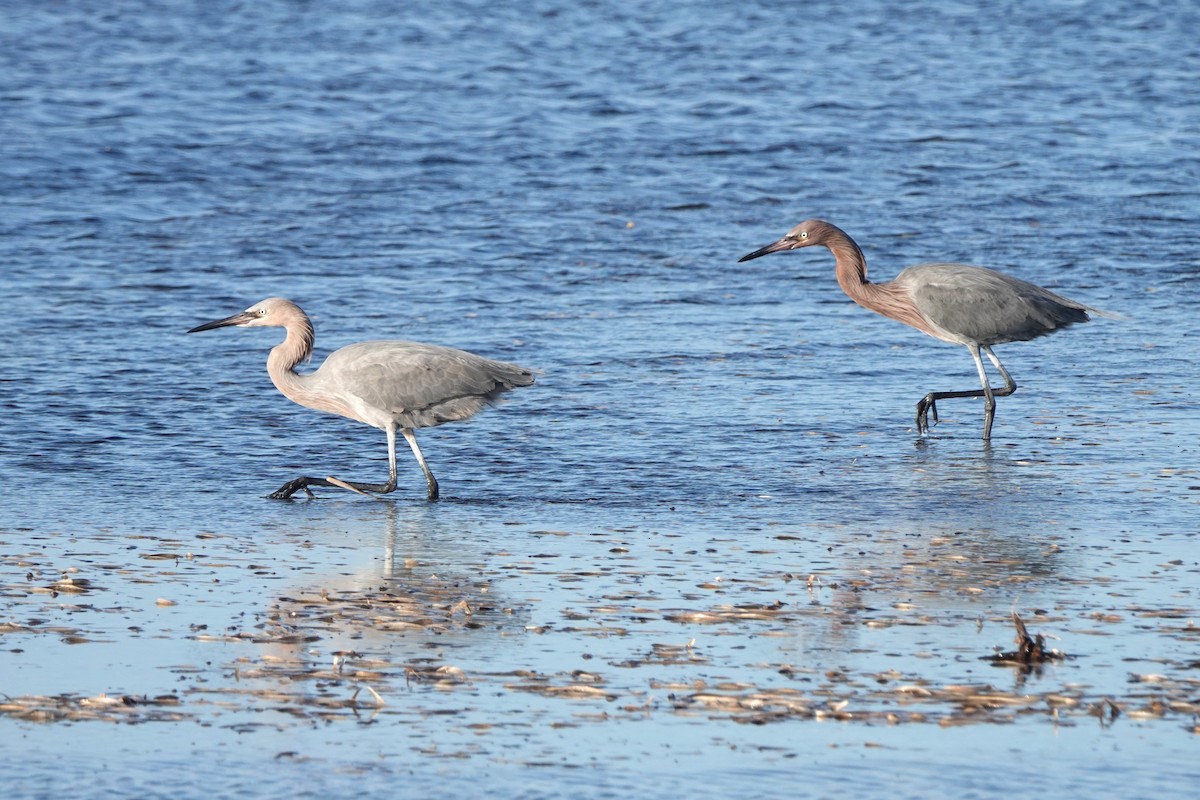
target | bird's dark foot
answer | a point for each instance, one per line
(927, 404)
(290, 488)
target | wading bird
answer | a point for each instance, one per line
(391, 385)
(957, 303)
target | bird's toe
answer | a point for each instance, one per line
(286, 491)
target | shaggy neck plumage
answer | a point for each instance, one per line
(882, 298)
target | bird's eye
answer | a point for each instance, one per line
(803, 234)
(262, 312)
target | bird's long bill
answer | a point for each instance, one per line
(236, 319)
(773, 247)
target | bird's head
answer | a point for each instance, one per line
(272, 311)
(806, 234)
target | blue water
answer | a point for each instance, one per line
(569, 186)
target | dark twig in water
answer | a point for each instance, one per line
(1031, 650)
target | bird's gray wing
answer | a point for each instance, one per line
(428, 384)
(984, 306)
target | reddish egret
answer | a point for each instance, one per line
(957, 303)
(390, 385)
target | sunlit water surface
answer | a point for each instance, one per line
(707, 552)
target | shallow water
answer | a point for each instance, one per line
(707, 548)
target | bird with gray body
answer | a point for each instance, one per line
(957, 303)
(390, 385)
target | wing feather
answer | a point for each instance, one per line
(980, 305)
(419, 385)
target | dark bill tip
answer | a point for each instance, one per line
(236, 319)
(773, 247)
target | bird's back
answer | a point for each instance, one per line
(969, 304)
(416, 385)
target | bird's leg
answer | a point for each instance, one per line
(377, 488)
(989, 402)
(391, 439)
(350, 487)
(929, 402)
(1010, 385)
(291, 487)
(989, 406)
(430, 481)
(924, 406)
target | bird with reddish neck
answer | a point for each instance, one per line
(957, 303)
(391, 385)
